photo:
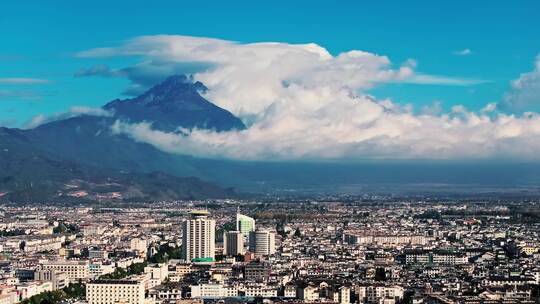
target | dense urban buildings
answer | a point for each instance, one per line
(356, 250)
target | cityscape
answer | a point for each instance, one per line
(275, 252)
(269, 152)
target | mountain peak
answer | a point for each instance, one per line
(183, 80)
(179, 89)
(175, 87)
(175, 102)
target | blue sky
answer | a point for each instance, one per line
(39, 40)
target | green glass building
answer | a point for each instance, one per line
(244, 224)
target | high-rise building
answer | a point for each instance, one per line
(233, 243)
(244, 224)
(262, 242)
(198, 236)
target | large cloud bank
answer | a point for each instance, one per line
(525, 92)
(301, 102)
(75, 111)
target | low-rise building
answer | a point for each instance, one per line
(129, 291)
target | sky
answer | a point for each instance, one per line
(468, 58)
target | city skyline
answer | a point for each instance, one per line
(322, 251)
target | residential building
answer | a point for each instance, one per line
(128, 291)
(233, 243)
(74, 270)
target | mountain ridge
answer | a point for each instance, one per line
(85, 145)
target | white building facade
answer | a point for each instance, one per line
(198, 236)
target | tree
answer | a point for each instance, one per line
(280, 229)
(75, 290)
(120, 273)
(380, 274)
(165, 253)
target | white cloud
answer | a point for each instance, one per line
(464, 52)
(246, 78)
(366, 130)
(304, 103)
(82, 110)
(22, 80)
(443, 80)
(37, 120)
(525, 92)
(490, 107)
(98, 70)
(73, 112)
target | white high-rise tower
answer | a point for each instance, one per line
(198, 237)
(262, 242)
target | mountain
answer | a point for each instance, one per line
(175, 103)
(83, 151)
(89, 140)
(80, 158)
(28, 174)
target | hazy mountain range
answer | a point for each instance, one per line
(81, 158)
